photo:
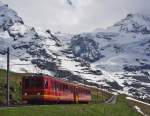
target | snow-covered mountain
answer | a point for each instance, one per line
(116, 58)
(8, 17)
(135, 23)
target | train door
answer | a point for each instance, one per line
(56, 88)
(46, 86)
(76, 94)
(52, 87)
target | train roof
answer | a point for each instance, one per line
(59, 80)
(48, 76)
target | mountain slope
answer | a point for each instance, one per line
(124, 59)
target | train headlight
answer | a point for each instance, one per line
(25, 94)
(38, 93)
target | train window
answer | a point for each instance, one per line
(71, 89)
(63, 86)
(89, 92)
(57, 86)
(79, 90)
(53, 85)
(33, 83)
(38, 83)
(86, 92)
(66, 87)
(27, 83)
(46, 84)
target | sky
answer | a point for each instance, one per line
(76, 16)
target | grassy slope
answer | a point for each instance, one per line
(144, 108)
(119, 109)
(15, 88)
(99, 95)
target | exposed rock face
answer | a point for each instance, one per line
(86, 48)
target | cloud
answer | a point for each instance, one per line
(79, 15)
(69, 2)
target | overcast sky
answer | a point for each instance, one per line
(74, 16)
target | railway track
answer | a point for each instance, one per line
(14, 106)
(112, 100)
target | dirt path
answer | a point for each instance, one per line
(112, 100)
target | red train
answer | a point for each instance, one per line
(46, 89)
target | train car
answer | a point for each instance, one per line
(84, 94)
(46, 89)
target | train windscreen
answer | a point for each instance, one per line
(33, 83)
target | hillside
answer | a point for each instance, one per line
(15, 87)
(119, 109)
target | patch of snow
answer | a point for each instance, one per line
(130, 98)
(139, 110)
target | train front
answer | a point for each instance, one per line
(33, 89)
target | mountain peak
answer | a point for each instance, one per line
(140, 16)
(133, 23)
(2, 4)
(130, 15)
(8, 17)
